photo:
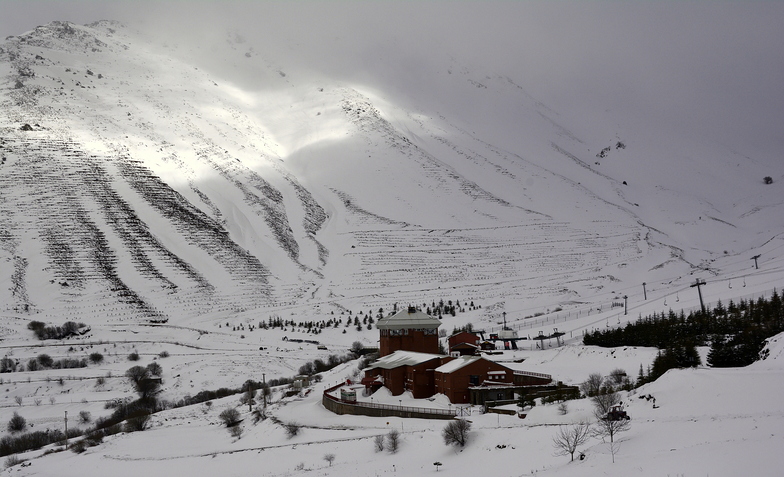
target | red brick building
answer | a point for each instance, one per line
(425, 374)
(464, 343)
(405, 371)
(410, 361)
(408, 330)
(454, 377)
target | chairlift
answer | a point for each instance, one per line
(744, 283)
(730, 284)
(677, 298)
(665, 302)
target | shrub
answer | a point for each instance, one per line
(155, 369)
(378, 443)
(133, 356)
(78, 447)
(45, 360)
(17, 423)
(84, 417)
(137, 420)
(96, 358)
(393, 440)
(236, 431)
(230, 417)
(259, 415)
(292, 429)
(456, 432)
(33, 365)
(163, 354)
(12, 461)
(768, 180)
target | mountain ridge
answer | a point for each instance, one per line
(184, 185)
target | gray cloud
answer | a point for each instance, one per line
(709, 68)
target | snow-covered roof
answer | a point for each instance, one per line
(408, 319)
(457, 363)
(403, 358)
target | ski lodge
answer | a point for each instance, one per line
(409, 361)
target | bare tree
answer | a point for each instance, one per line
(456, 432)
(593, 385)
(329, 458)
(393, 439)
(569, 438)
(618, 376)
(602, 403)
(378, 442)
(607, 424)
(146, 385)
(236, 431)
(357, 347)
(607, 427)
(248, 397)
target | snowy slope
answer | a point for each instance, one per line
(179, 185)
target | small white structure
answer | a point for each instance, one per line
(348, 395)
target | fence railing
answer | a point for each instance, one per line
(403, 411)
(533, 375)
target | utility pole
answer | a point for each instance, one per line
(755, 257)
(625, 303)
(66, 430)
(698, 284)
(644, 293)
(264, 389)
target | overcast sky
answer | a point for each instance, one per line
(713, 67)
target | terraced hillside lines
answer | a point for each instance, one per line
(44, 179)
(548, 252)
(268, 203)
(194, 225)
(136, 236)
(363, 216)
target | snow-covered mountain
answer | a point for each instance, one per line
(142, 182)
(213, 185)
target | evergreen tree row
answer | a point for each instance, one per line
(736, 333)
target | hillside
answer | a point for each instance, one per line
(177, 196)
(163, 187)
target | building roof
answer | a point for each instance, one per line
(408, 319)
(403, 358)
(457, 363)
